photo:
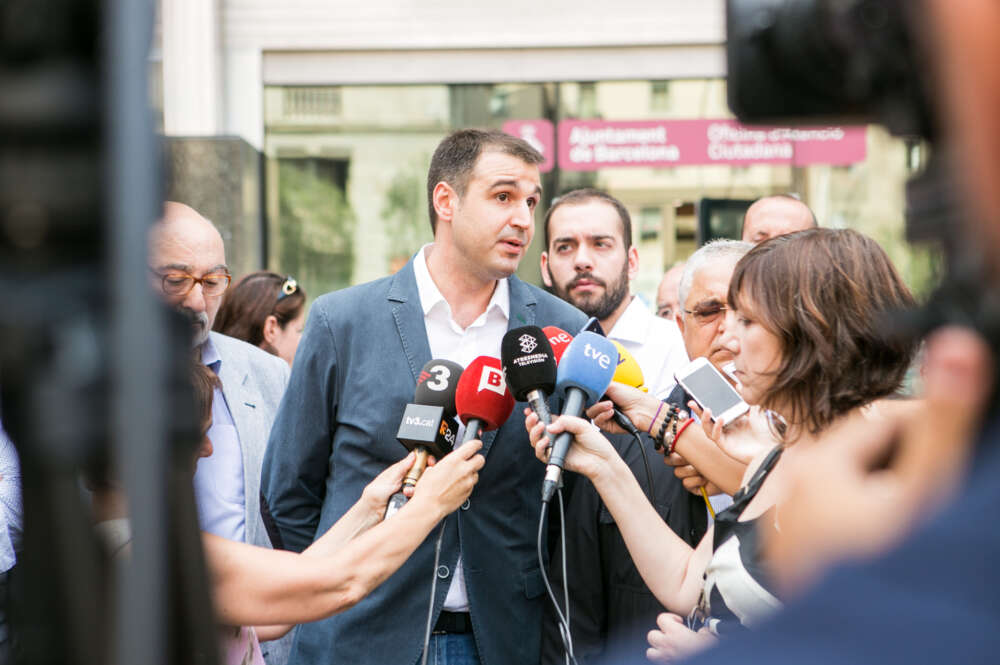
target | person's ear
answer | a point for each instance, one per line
(546, 277)
(633, 262)
(679, 317)
(445, 201)
(271, 330)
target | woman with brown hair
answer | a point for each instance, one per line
(266, 310)
(806, 328)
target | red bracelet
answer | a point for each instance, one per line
(684, 426)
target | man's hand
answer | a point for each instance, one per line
(640, 408)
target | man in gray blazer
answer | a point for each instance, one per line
(357, 367)
(188, 261)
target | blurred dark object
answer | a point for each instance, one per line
(854, 61)
(86, 354)
(844, 61)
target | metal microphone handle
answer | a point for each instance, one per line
(536, 400)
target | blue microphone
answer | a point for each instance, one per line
(585, 371)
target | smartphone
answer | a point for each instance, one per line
(711, 390)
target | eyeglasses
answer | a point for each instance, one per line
(177, 283)
(708, 312)
(288, 287)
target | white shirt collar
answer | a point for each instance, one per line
(431, 297)
(633, 324)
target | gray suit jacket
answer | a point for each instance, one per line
(253, 382)
(355, 370)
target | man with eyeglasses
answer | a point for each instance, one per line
(588, 261)
(187, 262)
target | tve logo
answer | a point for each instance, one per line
(603, 359)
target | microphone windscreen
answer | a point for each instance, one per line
(482, 394)
(559, 339)
(437, 383)
(628, 371)
(528, 362)
(588, 363)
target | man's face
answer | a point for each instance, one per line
(666, 295)
(493, 223)
(773, 217)
(189, 246)
(586, 263)
(703, 329)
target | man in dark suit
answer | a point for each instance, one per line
(357, 367)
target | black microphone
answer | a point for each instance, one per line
(530, 366)
(428, 425)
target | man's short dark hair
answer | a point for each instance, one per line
(578, 196)
(456, 156)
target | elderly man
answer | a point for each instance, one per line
(356, 369)
(776, 216)
(589, 261)
(188, 263)
(666, 293)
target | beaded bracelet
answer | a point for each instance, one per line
(670, 416)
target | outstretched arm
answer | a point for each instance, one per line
(258, 586)
(672, 570)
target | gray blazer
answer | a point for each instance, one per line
(355, 369)
(253, 382)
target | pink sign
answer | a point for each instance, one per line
(588, 145)
(539, 134)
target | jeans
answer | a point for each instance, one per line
(452, 649)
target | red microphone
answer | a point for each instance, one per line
(481, 398)
(559, 339)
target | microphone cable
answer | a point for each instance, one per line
(564, 631)
(430, 605)
(645, 463)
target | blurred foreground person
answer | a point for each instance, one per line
(811, 370)
(266, 310)
(931, 598)
(273, 590)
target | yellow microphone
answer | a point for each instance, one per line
(628, 371)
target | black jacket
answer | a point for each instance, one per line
(611, 609)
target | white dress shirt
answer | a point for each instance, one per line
(448, 341)
(656, 344)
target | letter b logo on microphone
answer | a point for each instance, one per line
(492, 380)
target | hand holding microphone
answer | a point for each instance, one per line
(448, 483)
(585, 371)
